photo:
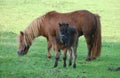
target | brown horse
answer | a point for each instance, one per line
(67, 39)
(86, 23)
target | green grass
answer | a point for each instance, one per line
(15, 15)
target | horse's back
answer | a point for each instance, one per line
(83, 20)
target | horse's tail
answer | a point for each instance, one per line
(96, 50)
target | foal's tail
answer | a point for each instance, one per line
(96, 50)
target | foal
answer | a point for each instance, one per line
(67, 40)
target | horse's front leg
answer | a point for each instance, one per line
(54, 45)
(49, 48)
(57, 57)
(89, 45)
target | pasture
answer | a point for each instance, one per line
(16, 15)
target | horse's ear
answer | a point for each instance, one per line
(21, 33)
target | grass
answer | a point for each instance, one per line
(15, 15)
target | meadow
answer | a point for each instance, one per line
(16, 15)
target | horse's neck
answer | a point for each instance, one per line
(31, 32)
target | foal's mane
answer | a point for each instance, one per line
(33, 30)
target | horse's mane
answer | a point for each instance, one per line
(33, 30)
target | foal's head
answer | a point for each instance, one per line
(23, 45)
(64, 33)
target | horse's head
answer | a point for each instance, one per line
(23, 46)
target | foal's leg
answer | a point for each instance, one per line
(54, 45)
(49, 48)
(57, 57)
(89, 45)
(70, 56)
(56, 51)
(75, 56)
(75, 50)
(64, 57)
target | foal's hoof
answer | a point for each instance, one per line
(55, 66)
(64, 65)
(74, 65)
(70, 64)
(49, 56)
(88, 59)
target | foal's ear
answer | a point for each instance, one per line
(60, 24)
(67, 24)
(21, 33)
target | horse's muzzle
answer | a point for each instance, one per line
(20, 53)
(23, 51)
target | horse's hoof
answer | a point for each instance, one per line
(93, 58)
(88, 59)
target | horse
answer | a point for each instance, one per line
(67, 39)
(86, 23)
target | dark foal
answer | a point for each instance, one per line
(67, 40)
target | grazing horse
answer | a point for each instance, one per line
(67, 39)
(86, 23)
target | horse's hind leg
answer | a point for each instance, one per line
(64, 57)
(89, 46)
(49, 48)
